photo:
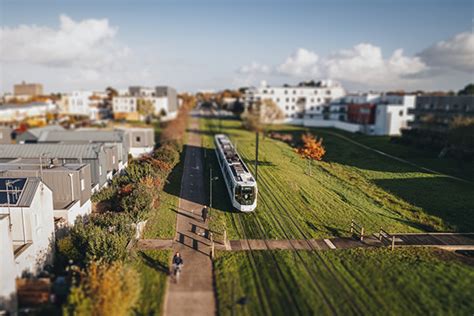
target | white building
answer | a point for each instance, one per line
(8, 300)
(29, 210)
(298, 102)
(392, 114)
(20, 112)
(85, 103)
(163, 99)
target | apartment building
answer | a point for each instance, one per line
(69, 183)
(298, 102)
(436, 113)
(84, 103)
(94, 155)
(163, 99)
(20, 112)
(27, 89)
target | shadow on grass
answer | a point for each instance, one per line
(447, 199)
(153, 263)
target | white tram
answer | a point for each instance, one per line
(240, 183)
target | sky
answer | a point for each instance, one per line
(216, 44)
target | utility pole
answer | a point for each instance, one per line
(210, 189)
(256, 155)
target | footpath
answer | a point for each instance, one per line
(194, 293)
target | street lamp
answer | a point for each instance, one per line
(210, 185)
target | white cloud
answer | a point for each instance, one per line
(455, 53)
(364, 63)
(90, 44)
(302, 63)
(254, 68)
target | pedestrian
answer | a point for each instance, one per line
(178, 263)
(204, 213)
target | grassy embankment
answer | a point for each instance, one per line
(345, 282)
(351, 183)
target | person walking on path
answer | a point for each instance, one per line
(205, 213)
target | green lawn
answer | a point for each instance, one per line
(344, 282)
(351, 183)
(153, 268)
(423, 157)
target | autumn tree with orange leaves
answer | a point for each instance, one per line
(312, 149)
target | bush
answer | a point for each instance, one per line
(106, 290)
(103, 237)
(138, 203)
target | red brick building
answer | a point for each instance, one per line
(363, 113)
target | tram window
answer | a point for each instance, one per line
(245, 195)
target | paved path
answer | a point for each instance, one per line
(449, 241)
(194, 294)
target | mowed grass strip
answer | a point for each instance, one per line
(407, 281)
(351, 183)
(162, 221)
(153, 266)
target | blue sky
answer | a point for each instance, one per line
(217, 44)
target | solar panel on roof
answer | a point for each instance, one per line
(16, 183)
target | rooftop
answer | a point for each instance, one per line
(62, 151)
(18, 191)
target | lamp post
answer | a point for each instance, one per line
(210, 187)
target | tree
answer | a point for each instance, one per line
(111, 93)
(312, 149)
(104, 289)
(145, 108)
(257, 118)
(468, 90)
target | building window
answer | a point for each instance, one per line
(312, 100)
(315, 91)
(311, 116)
(318, 108)
(83, 185)
(286, 115)
(271, 91)
(264, 91)
(138, 139)
(293, 99)
(328, 92)
(319, 100)
(278, 99)
(311, 108)
(400, 113)
(293, 107)
(286, 91)
(294, 91)
(287, 99)
(287, 107)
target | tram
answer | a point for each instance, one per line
(240, 183)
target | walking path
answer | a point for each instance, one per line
(194, 293)
(448, 241)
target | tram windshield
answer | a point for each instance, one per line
(245, 195)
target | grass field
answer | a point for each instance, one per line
(344, 282)
(351, 183)
(153, 268)
(423, 157)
